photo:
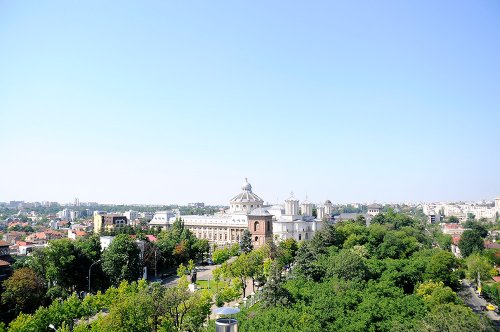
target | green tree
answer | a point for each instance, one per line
(234, 250)
(444, 241)
(63, 266)
(274, 293)
(454, 318)
(88, 250)
(477, 226)
(246, 241)
(202, 247)
(306, 265)
(24, 290)
(453, 220)
(219, 256)
(185, 311)
(242, 269)
(470, 242)
(256, 262)
(346, 265)
(477, 264)
(441, 267)
(131, 313)
(287, 250)
(182, 270)
(178, 244)
(122, 261)
(436, 293)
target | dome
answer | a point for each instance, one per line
(328, 202)
(246, 186)
(247, 196)
(291, 198)
(306, 201)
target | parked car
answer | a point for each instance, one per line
(210, 261)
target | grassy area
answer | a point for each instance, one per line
(203, 284)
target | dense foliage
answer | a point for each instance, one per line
(390, 276)
(385, 277)
(129, 307)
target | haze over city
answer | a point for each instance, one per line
(176, 102)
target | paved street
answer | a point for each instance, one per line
(204, 273)
(475, 302)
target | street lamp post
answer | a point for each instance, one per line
(90, 269)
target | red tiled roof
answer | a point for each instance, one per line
(4, 263)
(496, 278)
(4, 244)
(455, 240)
(453, 226)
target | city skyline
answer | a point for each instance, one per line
(71, 203)
(169, 102)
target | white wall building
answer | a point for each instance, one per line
(291, 224)
(131, 215)
(161, 219)
(374, 209)
(227, 227)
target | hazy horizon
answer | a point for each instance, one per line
(174, 102)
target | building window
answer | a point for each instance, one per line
(268, 226)
(300, 237)
(256, 226)
(256, 239)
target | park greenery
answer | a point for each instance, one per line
(389, 276)
(393, 275)
(62, 268)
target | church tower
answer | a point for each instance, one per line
(291, 206)
(306, 208)
(328, 208)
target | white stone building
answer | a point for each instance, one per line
(227, 227)
(374, 209)
(290, 224)
(223, 228)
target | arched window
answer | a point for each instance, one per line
(268, 226)
(256, 239)
(256, 227)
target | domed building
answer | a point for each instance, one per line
(247, 212)
(225, 227)
(246, 201)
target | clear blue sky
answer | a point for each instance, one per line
(172, 102)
